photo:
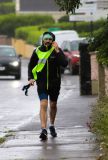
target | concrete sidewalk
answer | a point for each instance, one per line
(74, 141)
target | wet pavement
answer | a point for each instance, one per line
(74, 141)
(71, 143)
(20, 114)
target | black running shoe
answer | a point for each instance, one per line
(53, 131)
(43, 135)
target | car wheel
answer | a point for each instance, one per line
(74, 71)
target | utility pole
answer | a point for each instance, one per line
(91, 25)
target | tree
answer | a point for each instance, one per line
(68, 5)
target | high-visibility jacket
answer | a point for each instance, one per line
(43, 56)
(49, 78)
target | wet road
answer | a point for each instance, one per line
(17, 109)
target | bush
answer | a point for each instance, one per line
(64, 19)
(100, 124)
(6, 8)
(6, 1)
(100, 44)
(30, 34)
(8, 23)
(80, 27)
(2, 140)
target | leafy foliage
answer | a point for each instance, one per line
(8, 23)
(100, 44)
(5, 1)
(99, 124)
(30, 34)
(81, 27)
(2, 139)
(68, 5)
(6, 8)
(64, 19)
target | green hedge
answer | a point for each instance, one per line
(6, 1)
(100, 44)
(78, 26)
(6, 8)
(30, 34)
(8, 23)
(64, 19)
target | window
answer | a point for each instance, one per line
(74, 45)
(5, 51)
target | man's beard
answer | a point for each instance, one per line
(47, 44)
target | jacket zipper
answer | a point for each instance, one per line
(47, 75)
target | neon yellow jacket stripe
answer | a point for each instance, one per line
(43, 56)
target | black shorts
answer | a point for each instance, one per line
(46, 95)
(52, 92)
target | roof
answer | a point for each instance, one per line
(38, 5)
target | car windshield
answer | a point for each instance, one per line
(74, 46)
(6, 51)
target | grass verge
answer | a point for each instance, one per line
(2, 140)
(99, 125)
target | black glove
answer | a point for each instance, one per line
(25, 88)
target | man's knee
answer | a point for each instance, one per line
(53, 104)
(44, 104)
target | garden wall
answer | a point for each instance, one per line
(99, 77)
(22, 47)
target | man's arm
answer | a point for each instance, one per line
(61, 58)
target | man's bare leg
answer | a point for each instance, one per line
(43, 112)
(43, 118)
(53, 111)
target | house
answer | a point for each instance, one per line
(39, 6)
(91, 10)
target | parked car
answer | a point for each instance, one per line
(10, 62)
(61, 36)
(71, 51)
